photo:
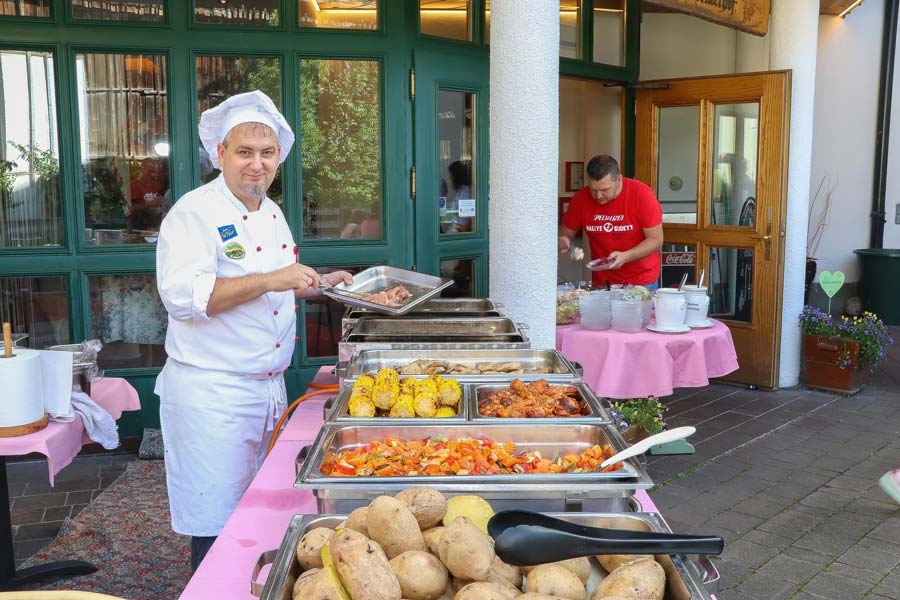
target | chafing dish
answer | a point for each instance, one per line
(544, 364)
(596, 411)
(431, 334)
(338, 409)
(541, 492)
(687, 577)
(381, 278)
(436, 307)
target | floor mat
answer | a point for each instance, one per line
(126, 533)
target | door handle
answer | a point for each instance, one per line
(767, 238)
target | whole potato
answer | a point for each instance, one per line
(393, 525)
(611, 562)
(483, 590)
(363, 567)
(421, 575)
(466, 550)
(315, 587)
(640, 580)
(427, 504)
(309, 548)
(581, 566)
(357, 520)
(304, 584)
(553, 579)
(534, 596)
(433, 538)
(505, 574)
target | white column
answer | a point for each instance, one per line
(524, 142)
(793, 33)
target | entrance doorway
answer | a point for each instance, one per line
(715, 151)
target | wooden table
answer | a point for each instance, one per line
(635, 365)
(60, 443)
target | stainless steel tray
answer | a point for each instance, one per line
(687, 577)
(536, 364)
(351, 344)
(596, 412)
(376, 279)
(435, 307)
(339, 410)
(438, 328)
(554, 491)
(440, 307)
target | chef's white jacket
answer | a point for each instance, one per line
(222, 387)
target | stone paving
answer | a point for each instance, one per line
(789, 480)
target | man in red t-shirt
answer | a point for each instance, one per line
(622, 220)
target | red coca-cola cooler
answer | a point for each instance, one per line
(676, 261)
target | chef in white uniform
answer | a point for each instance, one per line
(229, 277)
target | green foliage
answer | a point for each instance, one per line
(42, 162)
(646, 413)
(868, 330)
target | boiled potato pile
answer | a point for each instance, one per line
(386, 395)
(419, 545)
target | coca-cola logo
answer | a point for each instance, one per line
(678, 258)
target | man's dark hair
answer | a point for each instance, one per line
(602, 165)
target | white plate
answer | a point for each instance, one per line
(704, 325)
(657, 329)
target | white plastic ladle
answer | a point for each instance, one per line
(670, 435)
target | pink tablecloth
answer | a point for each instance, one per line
(262, 516)
(61, 442)
(634, 365)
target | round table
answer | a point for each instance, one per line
(635, 365)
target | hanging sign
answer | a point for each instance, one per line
(751, 16)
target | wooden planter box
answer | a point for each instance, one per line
(823, 359)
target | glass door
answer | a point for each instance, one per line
(714, 149)
(451, 179)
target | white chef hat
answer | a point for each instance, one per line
(250, 107)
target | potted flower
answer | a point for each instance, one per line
(841, 352)
(638, 418)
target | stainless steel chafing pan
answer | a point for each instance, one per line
(553, 491)
(596, 411)
(535, 364)
(443, 328)
(687, 577)
(381, 278)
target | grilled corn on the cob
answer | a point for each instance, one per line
(386, 389)
(449, 392)
(444, 412)
(403, 407)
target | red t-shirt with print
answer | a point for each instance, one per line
(618, 225)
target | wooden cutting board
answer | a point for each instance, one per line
(25, 429)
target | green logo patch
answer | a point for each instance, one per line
(235, 251)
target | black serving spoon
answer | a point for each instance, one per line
(523, 538)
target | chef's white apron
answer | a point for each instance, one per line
(213, 448)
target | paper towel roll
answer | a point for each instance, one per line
(22, 396)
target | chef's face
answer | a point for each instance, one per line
(249, 160)
(606, 189)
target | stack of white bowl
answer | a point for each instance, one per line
(595, 310)
(627, 315)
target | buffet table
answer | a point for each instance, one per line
(635, 365)
(261, 518)
(60, 443)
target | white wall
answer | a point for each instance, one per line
(892, 196)
(674, 45)
(847, 71)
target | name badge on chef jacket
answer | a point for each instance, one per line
(226, 232)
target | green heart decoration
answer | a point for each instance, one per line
(830, 284)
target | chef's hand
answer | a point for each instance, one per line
(295, 276)
(563, 243)
(332, 279)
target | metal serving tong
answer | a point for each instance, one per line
(524, 538)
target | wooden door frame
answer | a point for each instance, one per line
(772, 91)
